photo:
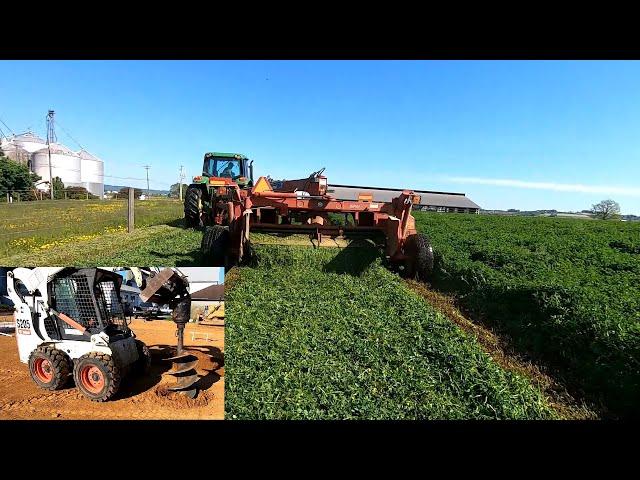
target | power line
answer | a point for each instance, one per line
(147, 167)
(69, 135)
(7, 127)
(51, 138)
(180, 179)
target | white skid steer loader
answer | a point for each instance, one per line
(70, 322)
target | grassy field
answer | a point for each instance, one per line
(565, 291)
(330, 334)
(159, 245)
(47, 225)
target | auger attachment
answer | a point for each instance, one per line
(183, 362)
(168, 286)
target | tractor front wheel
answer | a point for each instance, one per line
(97, 376)
(193, 207)
(215, 245)
(49, 367)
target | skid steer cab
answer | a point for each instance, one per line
(70, 323)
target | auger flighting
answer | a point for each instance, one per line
(170, 287)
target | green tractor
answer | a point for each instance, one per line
(205, 198)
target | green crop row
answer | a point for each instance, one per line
(565, 291)
(331, 334)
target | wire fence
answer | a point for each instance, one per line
(48, 224)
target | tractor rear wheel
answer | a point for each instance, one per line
(420, 262)
(97, 376)
(193, 207)
(143, 363)
(215, 245)
(49, 367)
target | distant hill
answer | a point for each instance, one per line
(108, 188)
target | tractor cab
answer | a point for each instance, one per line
(233, 166)
(222, 173)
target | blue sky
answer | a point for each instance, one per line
(510, 134)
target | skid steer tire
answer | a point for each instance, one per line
(215, 244)
(143, 364)
(49, 367)
(97, 376)
(420, 264)
(193, 208)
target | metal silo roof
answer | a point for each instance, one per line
(88, 156)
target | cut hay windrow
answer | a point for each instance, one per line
(331, 334)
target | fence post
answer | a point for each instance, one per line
(130, 210)
(65, 194)
(87, 194)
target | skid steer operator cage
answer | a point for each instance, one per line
(91, 297)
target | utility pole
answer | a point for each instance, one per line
(147, 167)
(51, 137)
(181, 179)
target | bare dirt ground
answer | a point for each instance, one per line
(139, 397)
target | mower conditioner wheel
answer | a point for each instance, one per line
(143, 364)
(97, 376)
(420, 264)
(424, 257)
(49, 367)
(215, 243)
(193, 207)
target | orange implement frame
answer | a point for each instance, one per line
(293, 210)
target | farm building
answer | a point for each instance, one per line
(429, 200)
(76, 169)
(207, 293)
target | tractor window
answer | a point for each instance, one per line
(222, 167)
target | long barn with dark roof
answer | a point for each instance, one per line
(429, 200)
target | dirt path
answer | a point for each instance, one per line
(556, 394)
(139, 398)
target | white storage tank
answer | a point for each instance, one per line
(15, 152)
(65, 164)
(92, 173)
(28, 141)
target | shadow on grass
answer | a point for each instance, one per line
(353, 259)
(178, 222)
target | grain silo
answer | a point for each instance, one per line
(91, 173)
(75, 169)
(65, 163)
(20, 148)
(29, 141)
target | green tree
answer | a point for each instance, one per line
(174, 190)
(606, 209)
(124, 192)
(78, 193)
(16, 178)
(58, 188)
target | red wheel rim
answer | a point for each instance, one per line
(43, 370)
(92, 379)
